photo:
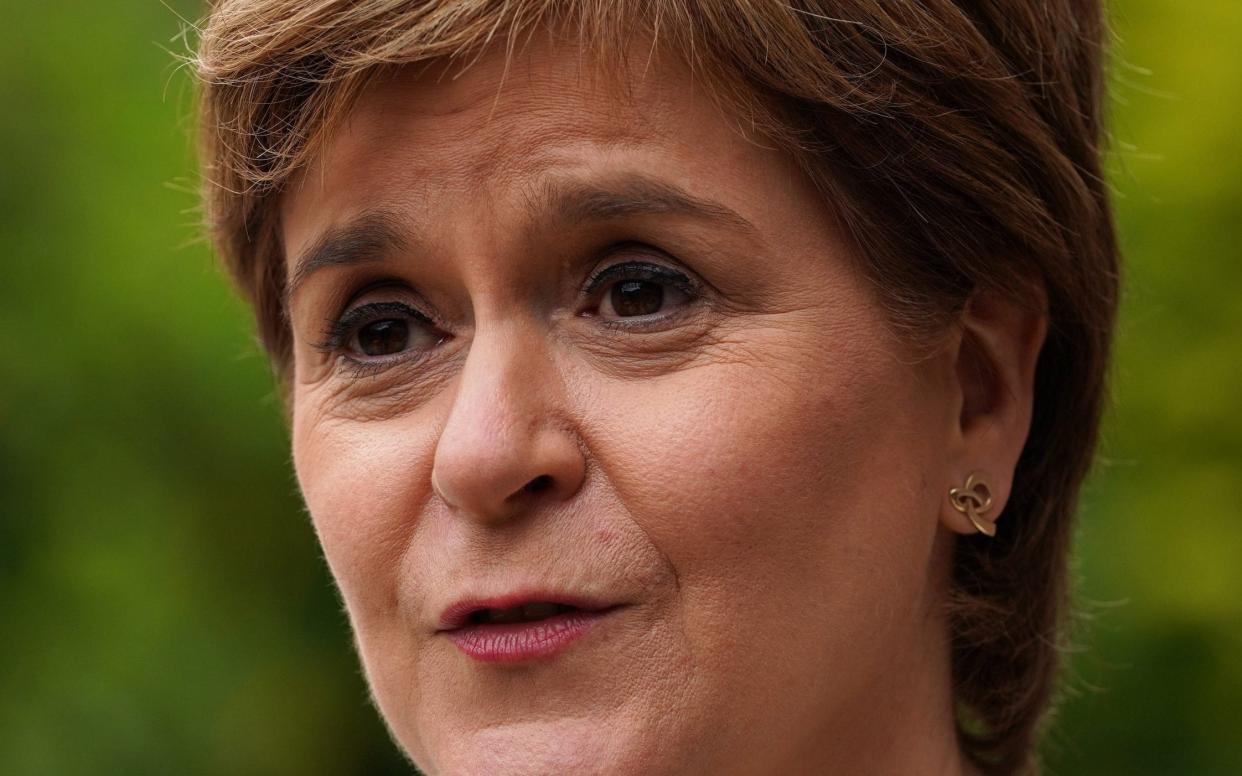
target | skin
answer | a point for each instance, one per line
(760, 475)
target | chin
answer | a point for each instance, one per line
(580, 746)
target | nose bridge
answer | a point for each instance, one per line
(501, 447)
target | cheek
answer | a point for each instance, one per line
(362, 483)
(785, 484)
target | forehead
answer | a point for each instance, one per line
(507, 120)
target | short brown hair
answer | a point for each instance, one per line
(958, 140)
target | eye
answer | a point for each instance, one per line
(383, 338)
(636, 297)
(379, 331)
(641, 290)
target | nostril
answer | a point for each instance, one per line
(539, 483)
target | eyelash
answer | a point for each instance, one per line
(639, 270)
(338, 332)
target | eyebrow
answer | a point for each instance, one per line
(377, 234)
(634, 195)
(370, 237)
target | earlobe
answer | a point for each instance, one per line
(999, 346)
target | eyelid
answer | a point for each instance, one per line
(387, 289)
(648, 270)
(339, 329)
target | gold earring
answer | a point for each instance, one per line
(972, 499)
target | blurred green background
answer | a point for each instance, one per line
(163, 604)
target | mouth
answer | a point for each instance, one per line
(520, 628)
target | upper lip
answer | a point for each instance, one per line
(458, 613)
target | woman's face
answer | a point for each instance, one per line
(609, 448)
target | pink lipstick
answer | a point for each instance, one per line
(518, 628)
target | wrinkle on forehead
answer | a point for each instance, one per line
(491, 102)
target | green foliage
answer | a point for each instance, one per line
(1158, 689)
(164, 605)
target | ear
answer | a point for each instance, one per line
(996, 346)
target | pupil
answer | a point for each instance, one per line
(383, 338)
(637, 297)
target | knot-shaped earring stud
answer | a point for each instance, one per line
(973, 499)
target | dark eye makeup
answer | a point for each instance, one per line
(374, 328)
(377, 334)
(635, 288)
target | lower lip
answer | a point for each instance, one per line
(516, 642)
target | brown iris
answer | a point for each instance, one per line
(383, 338)
(637, 297)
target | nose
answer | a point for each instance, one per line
(504, 446)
